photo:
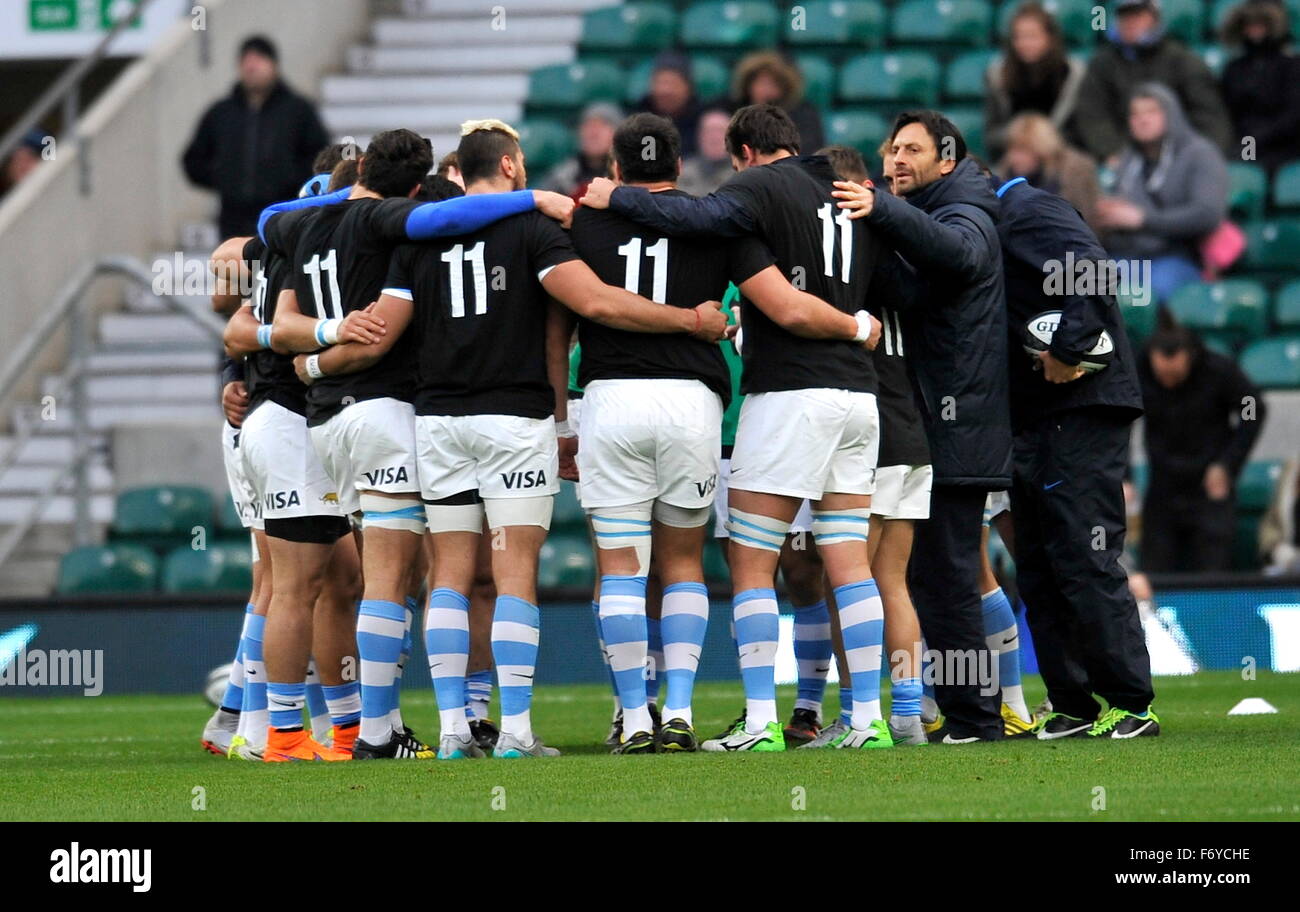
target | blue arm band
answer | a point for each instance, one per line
(463, 214)
(264, 335)
(337, 196)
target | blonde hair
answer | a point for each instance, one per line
(489, 126)
(1039, 134)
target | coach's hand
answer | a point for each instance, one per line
(555, 206)
(710, 322)
(362, 326)
(569, 458)
(856, 198)
(598, 193)
(234, 402)
(1057, 371)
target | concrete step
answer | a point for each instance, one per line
(203, 359)
(60, 509)
(480, 30)
(436, 118)
(345, 90)
(408, 60)
(152, 329)
(22, 480)
(42, 449)
(29, 576)
(148, 388)
(106, 416)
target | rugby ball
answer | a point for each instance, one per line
(215, 688)
(1038, 338)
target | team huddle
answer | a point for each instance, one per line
(404, 395)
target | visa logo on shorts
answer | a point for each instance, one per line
(281, 500)
(389, 475)
(532, 478)
(706, 487)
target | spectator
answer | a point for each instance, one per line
(711, 168)
(1202, 418)
(1262, 86)
(1279, 530)
(766, 77)
(1034, 75)
(23, 160)
(1138, 51)
(1171, 191)
(254, 147)
(672, 95)
(595, 140)
(449, 168)
(1036, 151)
(847, 163)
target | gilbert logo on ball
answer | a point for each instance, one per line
(1038, 338)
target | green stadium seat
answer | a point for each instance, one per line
(110, 569)
(710, 75)
(161, 516)
(545, 143)
(940, 22)
(1255, 485)
(1184, 19)
(863, 130)
(970, 121)
(1274, 363)
(1139, 320)
(568, 515)
(228, 523)
(221, 567)
(1075, 17)
(1247, 190)
(890, 79)
(860, 23)
(1272, 244)
(739, 24)
(1286, 188)
(1286, 307)
(633, 26)
(567, 86)
(566, 561)
(963, 80)
(1235, 310)
(1216, 57)
(818, 79)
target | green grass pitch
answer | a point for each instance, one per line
(138, 758)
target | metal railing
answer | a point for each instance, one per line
(71, 308)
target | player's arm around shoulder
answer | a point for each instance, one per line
(574, 285)
(806, 315)
(377, 329)
(228, 265)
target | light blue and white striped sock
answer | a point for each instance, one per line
(285, 701)
(514, 649)
(344, 702)
(655, 658)
(233, 699)
(380, 626)
(812, 651)
(623, 626)
(253, 714)
(683, 625)
(905, 697)
(846, 699)
(317, 709)
(478, 690)
(1003, 639)
(408, 643)
(758, 625)
(862, 620)
(604, 656)
(446, 639)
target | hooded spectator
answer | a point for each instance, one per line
(1137, 51)
(1036, 151)
(1262, 85)
(672, 95)
(767, 77)
(1035, 75)
(1171, 191)
(595, 140)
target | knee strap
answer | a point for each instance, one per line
(403, 513)
(755, 531)
(833, 527)
(681, 517)
(624, 527)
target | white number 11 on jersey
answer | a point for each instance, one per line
(829, 221)
(456, 273)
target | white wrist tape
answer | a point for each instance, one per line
(563, 429)
(313, 367)
(864, 326)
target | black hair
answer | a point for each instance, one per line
(329, 157)
(647, 148)
(395, 162)
(480, 152)
(940, 129)
(259, 44)
(765, 128)
(846, 162)
(435, 187)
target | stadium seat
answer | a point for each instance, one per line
(1286, 188)
(221, 567)
(1247, 190)
(634, 26)
(1286, 307)
(890, 79)
(1274, 363)
(228, 524)
(107, 569)
(1139, 320)
(1235, 310)
(729, 24)
(568, 515)
(566, 561)
(963, 80)
(940, 22)
(568, 86)
(1215, 56)
(161, 516)
(1075, 17)
(1255, 485)
(970, 121)
(1271, 244)
(863, 130)
(860, 23)
(710, 75)
(818, 79)
(546, 143)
